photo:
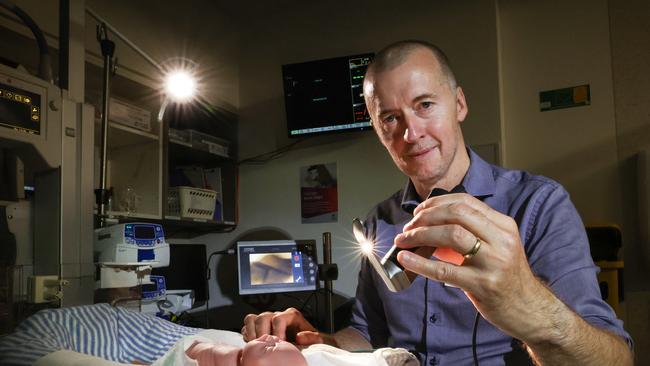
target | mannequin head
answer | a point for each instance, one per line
(266, 350)
(269, 350)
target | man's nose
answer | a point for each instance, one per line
(413, 127)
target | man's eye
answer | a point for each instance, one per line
(426, 105)
(389, 119)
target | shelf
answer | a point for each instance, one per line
(197, 221)
(190, 228)
(123, 136)
(133, 130)
(131, 216)
(183, 228)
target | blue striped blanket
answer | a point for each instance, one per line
(114, 334)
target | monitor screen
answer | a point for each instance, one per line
(326, 95)
(276, 266)
(20, 109)
(187, 269)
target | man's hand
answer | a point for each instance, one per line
(289, 325)
(497, 280)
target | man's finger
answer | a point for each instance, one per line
(249, 327)
(462, 214)
(454, 237)
(263, 324)
(307, 338)
(498, 219)
(279, 324)
(459, 276)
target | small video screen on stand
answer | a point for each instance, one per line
(276, 266)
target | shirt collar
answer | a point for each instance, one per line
(478, 181)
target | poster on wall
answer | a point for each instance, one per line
(318, 193)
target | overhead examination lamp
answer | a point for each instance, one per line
(180, 85)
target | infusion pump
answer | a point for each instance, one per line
(132, 243)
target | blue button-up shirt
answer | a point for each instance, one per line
(435, 320)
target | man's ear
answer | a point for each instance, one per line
(461, 105)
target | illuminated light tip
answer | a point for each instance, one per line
(180, 85)
(366, 247)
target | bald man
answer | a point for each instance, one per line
(527, 281)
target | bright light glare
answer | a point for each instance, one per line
(180, 85)
(366, 247)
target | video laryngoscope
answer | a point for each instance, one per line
(393, 276)
(388, 268)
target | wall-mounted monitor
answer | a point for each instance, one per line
(276, 266)
(326, 96)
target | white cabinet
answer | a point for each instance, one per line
(134, 172)
(134, 148)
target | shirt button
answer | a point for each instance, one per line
(433, 361)
(433, 319)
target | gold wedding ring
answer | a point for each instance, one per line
(472, 252)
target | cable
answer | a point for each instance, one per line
(45, 62)
(219, 252)
(207, 283)
(478, 316)
(271, 155)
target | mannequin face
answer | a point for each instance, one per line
(266, 350)
(269, 350)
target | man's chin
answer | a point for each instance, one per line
(422, 173)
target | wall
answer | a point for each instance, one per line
(590, 150)
(630, 32)
(296, 31)
(546, 46)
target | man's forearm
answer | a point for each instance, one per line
(570, 340)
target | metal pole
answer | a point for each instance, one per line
(327, 259)
(108, 49)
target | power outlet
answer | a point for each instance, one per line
(43, 289)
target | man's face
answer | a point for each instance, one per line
(417, 116)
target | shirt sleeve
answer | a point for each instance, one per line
(558, 252)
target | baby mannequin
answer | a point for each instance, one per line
(266, 350)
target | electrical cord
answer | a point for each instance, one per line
(208, 274)
(219, 252)
(45, 62)
(271, 155)
(478, 316)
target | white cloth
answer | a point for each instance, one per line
(176, 355)
(324, 355)
(71, 358)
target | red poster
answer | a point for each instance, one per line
(318, 193)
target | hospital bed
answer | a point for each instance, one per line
(103, 335)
